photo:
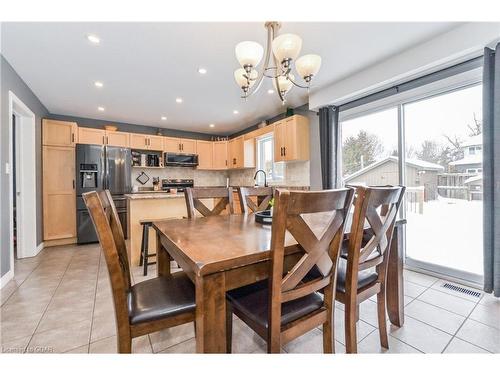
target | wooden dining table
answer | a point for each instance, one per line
(220, 253)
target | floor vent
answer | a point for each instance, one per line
(460, 289)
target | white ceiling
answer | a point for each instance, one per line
(145, 66)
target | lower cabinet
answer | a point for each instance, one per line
(59, 199)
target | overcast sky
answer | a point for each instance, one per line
(424, 120)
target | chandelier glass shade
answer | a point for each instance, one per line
(281, 54)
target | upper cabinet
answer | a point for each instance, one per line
(220, 156)
(103, 137)
(205, 151)
(241, 153)
(291, 139)
(59, 133)
(179, 145)
(146, 142)
(91, 136)
(118, 139)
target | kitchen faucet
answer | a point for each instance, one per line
(265, 177)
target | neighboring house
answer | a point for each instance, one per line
(385, 172)
(475, 187)
(461, 180)
(473, 157)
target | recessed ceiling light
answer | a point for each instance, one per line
(212, 125)
(202, 71)
(178, 100)
(270, 91)
(100, 109)
(93, 39)
(236, 112)
(164, 118)
(98, 84)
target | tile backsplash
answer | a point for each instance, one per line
(296, 174)
(201, 178)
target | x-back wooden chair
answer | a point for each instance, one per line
(193, 198)
(362, 269)
(286, 306)
(263, 195)
(145, 307)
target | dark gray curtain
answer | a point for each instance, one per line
(328, 131)
(491, 169)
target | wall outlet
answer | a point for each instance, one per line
(7, 168)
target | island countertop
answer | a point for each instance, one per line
(153, 195)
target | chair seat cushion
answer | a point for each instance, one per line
(365, 277)
(161, 298)
(253, 301)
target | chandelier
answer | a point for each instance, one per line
(285, 49)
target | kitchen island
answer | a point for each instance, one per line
(152, 205)
(146, 206)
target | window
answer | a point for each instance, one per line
(472, 150)
(370, 149)
(265, 160)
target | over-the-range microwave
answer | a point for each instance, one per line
(173, 159)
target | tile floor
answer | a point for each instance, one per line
(60, 302)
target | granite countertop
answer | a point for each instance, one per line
(153, 195)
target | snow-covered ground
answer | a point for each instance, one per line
(448, 233)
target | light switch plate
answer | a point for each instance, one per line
(7, 168)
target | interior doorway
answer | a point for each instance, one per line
(22, 172)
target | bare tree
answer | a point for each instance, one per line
(476, 128)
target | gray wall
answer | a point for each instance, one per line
(10, 81)
(132, 128)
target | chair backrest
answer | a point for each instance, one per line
(375, 213)
(110, 234)
(193, 201)
(263, 195)
(316, 220)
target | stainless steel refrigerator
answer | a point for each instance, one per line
(99, 168)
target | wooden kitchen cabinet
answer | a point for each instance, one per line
(220, 155)
(118, 139)
(236, 152)
(59, 199)
(155, 142)
(179, 145)
(241, 153)
(103, 137)
(91, 136)
(59, 133)
(205, 151)
(291, 139)
(139, 141)
(146, 142)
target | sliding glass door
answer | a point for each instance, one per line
(444, 183)
(440, 138)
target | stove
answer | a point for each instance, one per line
(179, 184)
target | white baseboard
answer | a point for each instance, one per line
(6, 278)
(40, 247)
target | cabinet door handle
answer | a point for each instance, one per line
(226, 162)
(103, 142)
(72, 137)
(284, 151)
(107, 140)
(73, 184)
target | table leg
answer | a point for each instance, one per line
(162, 258)
(394, 282)
(211, 314)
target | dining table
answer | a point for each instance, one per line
(220, 253)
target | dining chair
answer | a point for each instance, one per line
(363, 262)
(285, 307)
(144, 307)
(253, 199)
(194, 201)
